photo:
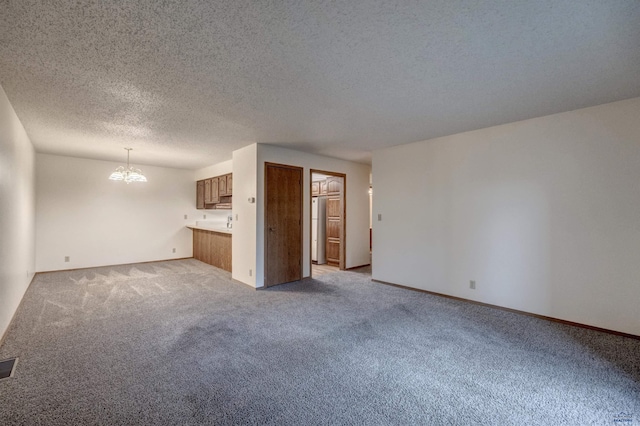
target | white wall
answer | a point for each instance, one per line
(214, 170)
(357, 229)
(544, 214)
(245, 162)
(17, 212)
(96, 221)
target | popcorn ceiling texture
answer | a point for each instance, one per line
(187, 82)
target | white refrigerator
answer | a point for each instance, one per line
(318, 229)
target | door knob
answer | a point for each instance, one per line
(272, 229)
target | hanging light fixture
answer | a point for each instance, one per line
(129, 174)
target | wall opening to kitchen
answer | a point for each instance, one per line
(328, 222)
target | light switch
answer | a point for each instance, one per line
(379, 217)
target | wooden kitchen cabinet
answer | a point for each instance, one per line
(335, 217)
(334, 228)
(222, 186)
(200, 194)
(211, 192)
(230, 184)
(213, 248)
(225, 185)
(318, 188)
(315, 189)
(333, 186)
(207, 191)
(214, 192)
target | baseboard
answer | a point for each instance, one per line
(13, 317)
(245, 284)
(356, 267)
(115, 264)
(502, 308)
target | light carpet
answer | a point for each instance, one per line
(179, 342)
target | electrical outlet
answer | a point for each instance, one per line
(379, 217)
(472, 285)
(236, 217)
(66, 258)
(185, 216)
(174, 249)
(250, 272)
(204, 216)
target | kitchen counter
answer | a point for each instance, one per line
(211, 229)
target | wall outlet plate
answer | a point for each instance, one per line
(472, 285)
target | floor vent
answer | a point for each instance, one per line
(7, 367)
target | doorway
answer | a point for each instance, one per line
(283, 224)
(328, 221)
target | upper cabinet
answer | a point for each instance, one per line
(315, 189)
(214, 193)
(318, 188)
(225, 185)
(334, 186)
(323, 187)
(207, 191)
(222, 185)
(215, 190)
(200, 194)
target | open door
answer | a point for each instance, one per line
(283, 224)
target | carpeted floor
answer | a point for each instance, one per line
(178, 342)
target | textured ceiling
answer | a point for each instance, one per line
(187, 82)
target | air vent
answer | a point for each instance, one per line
(7, 367)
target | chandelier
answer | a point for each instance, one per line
(129, 174)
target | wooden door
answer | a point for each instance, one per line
(222, 186)
(283, 224)
(335, 217)
(207, 191)
(200, 194)
(215, 194)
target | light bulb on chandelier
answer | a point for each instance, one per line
(128, 174)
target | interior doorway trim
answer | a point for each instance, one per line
(343, 231)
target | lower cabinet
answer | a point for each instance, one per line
(213, 248)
